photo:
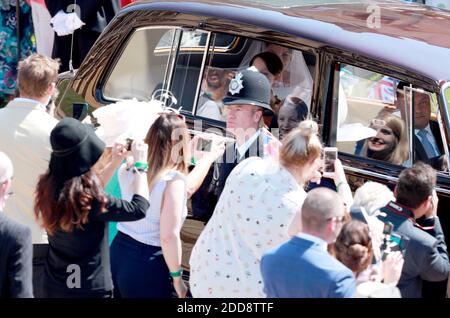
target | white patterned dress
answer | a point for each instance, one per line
(253, 214)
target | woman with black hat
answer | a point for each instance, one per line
(74, 210)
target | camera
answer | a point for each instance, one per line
(393, 241)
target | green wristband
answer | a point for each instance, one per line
(176, 274)
(141, 165)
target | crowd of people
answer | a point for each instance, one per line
(266, 235)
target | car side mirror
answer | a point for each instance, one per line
(79, 110)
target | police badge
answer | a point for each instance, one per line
(236, 84)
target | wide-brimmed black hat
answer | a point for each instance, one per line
(76, 148)
(249, 87)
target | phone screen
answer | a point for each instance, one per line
(330, 156)
(204, 144)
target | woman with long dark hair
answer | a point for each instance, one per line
(73, 207)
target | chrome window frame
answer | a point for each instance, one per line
(170, 61)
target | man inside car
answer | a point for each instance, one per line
(428, 145)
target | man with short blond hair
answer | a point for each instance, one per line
(25, 129)
(37, 75)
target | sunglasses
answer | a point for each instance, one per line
(173, 112)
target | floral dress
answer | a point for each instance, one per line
(253, 214)
(8, 44)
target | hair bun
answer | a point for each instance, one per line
(308, 127)
(358, 251)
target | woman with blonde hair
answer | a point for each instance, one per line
(146, 255)
(391, 141)
(259, 201)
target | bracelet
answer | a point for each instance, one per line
(339, 184)
(177, 273)
(137, 170)
(141, 165)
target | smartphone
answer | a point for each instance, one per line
(330, 156)
(128, 143)
(204, 144)
(401, 242)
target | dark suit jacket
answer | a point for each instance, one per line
(206, 197)
(420, 153)
(16, 265)
(426, 256)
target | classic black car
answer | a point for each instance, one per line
(345, 59)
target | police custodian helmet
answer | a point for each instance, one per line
(249, 87)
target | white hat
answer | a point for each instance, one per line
(354, 132)
(376, 290)
(6, 167)
(126, 119)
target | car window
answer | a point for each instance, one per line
(188, 65)
(383, 118)
(291, 85)
(142, 67)
(369, 122)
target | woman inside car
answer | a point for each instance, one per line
(390, 142)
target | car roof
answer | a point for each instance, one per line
(411, 36)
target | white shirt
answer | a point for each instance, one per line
(242, 149)
(430, 138)
(210, 109)
(252, 215)
(25, 137)
(147, 230)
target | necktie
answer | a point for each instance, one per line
(429, 149)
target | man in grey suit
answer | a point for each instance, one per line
(414, 215)
(15, 244)
(302, 267)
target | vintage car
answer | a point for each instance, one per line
(349, 61)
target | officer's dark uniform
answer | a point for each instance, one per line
(426, 257)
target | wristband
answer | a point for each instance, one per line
(141, 165)
(177, 273)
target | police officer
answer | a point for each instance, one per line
(248, 96)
